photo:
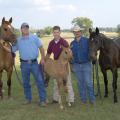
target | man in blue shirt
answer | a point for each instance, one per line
(29, 46)
(82, 66)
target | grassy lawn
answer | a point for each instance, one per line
(12, 109)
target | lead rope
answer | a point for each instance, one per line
(98, 82)
(96, 73)
(18, 78)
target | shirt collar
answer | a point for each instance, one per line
(56, 41)
(79, 39)
(25, 37)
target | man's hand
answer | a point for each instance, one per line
(47, 56)
(42, 61)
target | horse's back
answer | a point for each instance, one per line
(117, 41)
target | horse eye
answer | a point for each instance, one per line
(5, 29)
(65, 52)
(3, 43)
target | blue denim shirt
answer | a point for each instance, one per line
(28, 47)
(80, 50)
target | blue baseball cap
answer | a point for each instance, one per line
(24, 25)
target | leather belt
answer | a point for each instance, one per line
(81, 62)
(28, 61)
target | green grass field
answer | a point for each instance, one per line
(12, 109)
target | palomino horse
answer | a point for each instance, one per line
(6, 60)
(59, 70)
(109, 58)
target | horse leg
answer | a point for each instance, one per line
(114, 84)
(1, 85)
(46, 79)
(59, 83)
(65, 83)
(105, 82)
(9, 74)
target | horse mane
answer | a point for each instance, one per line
(106, 41)
(0, 30)
(105, 38)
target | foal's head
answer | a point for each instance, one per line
(66, 53)
(7, 31)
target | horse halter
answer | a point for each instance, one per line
(5, 45)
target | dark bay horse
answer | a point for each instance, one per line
(109, 57)
(7, 36)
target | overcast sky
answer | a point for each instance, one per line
(42, 13)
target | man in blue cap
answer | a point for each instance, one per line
(29, 46)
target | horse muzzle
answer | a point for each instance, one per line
(93, 58)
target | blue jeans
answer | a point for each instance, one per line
(83, 73)
(26, 69)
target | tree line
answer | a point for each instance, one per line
(83, 22)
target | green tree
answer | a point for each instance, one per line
(84, 23)
(48, 30)
(118, 29)
(17, 31)
(40, 33)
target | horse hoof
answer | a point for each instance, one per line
(47, 101)
(69, 104)
(10, 98)
(105, 96)
(3, 90)
(115, 101)
(1, 97)
(61, 107)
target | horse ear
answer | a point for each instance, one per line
(3, 20)
(62, 47)
(97, 30)
(90, 30)
(10, 20)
